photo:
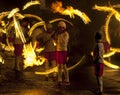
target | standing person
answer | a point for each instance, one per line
(61, 53)
(47, 41)
(98, 61)
(18, 44)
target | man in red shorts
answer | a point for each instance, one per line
(61, 53)
(18, 44)
(98, 61)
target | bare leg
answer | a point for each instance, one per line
(46, 64)
(59, 72)
(53, 62)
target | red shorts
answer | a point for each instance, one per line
(61, 57)
(50, 55)
(99, 69)
(18, 49)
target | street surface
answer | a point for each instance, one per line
(82, 79)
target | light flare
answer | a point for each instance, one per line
(18, 30)
(106, 55)
(58, 19)
(57, 7)
(31, 3)
(111, 65)
(117, 16)
(1, 59)
(115, 49)
(42, 23)
(13, 12)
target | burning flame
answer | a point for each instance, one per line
(30, 57)
(57, 7)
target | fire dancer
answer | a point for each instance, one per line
(61, 54)
(98, 61)
(18, 44)
(47, 41)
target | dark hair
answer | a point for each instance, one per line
(98, 36)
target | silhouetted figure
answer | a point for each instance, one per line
(98, 61)
(18, 45)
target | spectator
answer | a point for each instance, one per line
(98, 61)
(61, 54)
